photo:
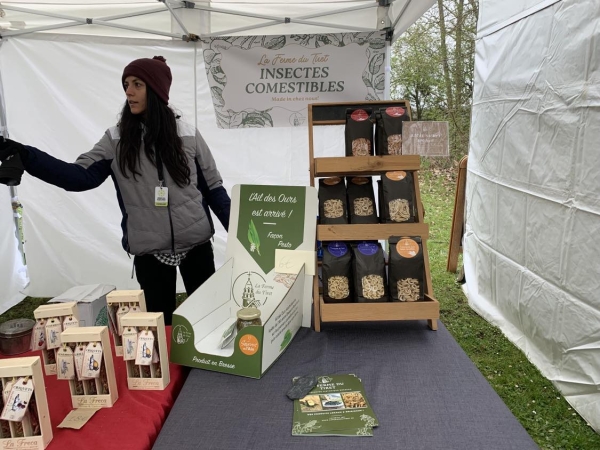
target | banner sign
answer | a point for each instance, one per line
(267, 81)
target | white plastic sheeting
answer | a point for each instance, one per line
(531, 248)
(62, 94)
(13, 275)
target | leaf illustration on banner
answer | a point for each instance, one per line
(367, 79)
(209, 56)
(257, 120)
(333, 39)
(253, 237)
(218, 75)
(371, 98)
(379, 82)
(217, 95)
(377, 43)
(302, 39)
(376, 62)
(276, 43)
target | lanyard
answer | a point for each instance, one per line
(159, 167)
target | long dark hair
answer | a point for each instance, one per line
(160, 134)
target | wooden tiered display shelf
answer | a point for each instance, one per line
(323, 114)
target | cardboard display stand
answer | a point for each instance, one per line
(154, 376)
(34, 431)
(264, 221)
(56, 311)
(91, 303)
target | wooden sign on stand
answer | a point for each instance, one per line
(458, 217)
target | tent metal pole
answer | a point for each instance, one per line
(139, 13)
(141, 30)
(46, 28)
(177, 19)
(42, 13)
(401, 14)
(277, 22)
(330, 25)
(13, 189)
(238, 13)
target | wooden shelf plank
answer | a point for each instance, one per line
(364, 165)
(378, 231)
(367, 312)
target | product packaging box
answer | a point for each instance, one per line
(91, 303)
(270, 266)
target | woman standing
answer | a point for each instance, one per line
(165, 179)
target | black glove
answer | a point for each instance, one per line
(9, 148)
(12, 167)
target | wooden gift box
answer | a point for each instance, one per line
(117, 298)
(98, 392)
(60, 311)
(26, 434)
(159, 373)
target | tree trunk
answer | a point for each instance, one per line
(459, 64)
(444, 55)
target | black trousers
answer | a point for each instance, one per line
(158, 280)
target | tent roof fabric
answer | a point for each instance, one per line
(188, 19)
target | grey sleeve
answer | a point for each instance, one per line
(207, 164)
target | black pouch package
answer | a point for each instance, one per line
(361, 200)
(332, 201)
(406, 269)
(337, 273)
(359, 132)
(398, 197)
(368, 269)
(388, 130)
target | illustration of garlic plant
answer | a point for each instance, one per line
(367, 429)
(308, 427)
(253, 238)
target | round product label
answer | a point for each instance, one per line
(359, 180)
(368, 248)
(337, 249)
(395, 111)
(396, 176)
(359, 115)
(332, 181)
(407, 248)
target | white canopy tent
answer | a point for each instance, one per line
(533, 198)
(60, 68)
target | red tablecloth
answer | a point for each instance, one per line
(132, 423)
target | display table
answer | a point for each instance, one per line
(425, 391)
(132, 423)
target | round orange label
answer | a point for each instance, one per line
(332, 181)
(395, 111)
(360, 180)
(248, 344)
(396, 176)
(359, 115)
(407, 248)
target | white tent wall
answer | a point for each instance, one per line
(62, 94)
(533, 198)
(13, 276)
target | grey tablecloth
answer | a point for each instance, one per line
(425, 391)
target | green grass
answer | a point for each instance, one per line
(540, 408)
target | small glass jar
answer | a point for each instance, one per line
(247, 317)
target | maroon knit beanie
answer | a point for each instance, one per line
(154, 72)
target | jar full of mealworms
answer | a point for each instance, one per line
(247, 317)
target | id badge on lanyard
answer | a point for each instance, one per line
(161, 195)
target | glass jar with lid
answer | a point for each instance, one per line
(247, 317)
